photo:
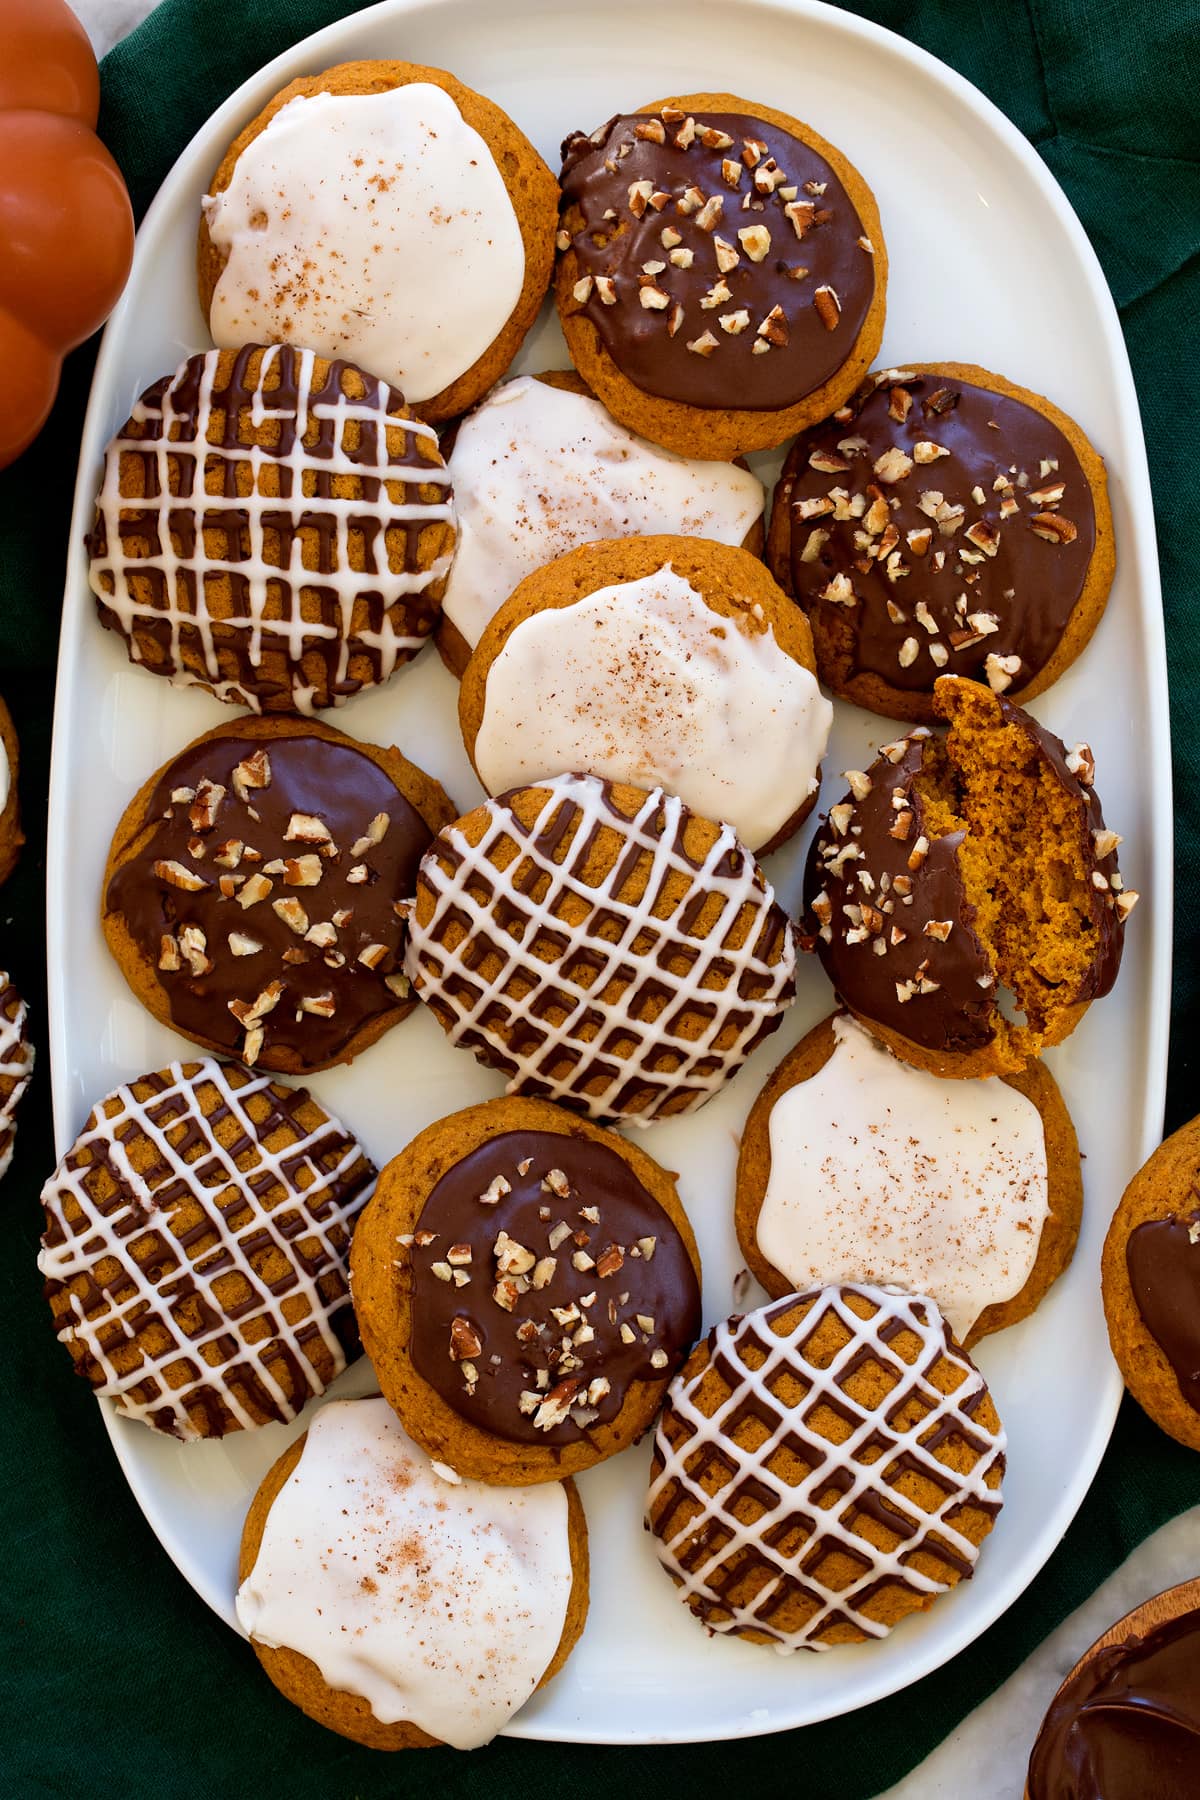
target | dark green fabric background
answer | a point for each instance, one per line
(113, 1677)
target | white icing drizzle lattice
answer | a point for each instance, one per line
(176, 419)
(708, 1445)
(244, 1214)
(634, 1066)
(16, 1066)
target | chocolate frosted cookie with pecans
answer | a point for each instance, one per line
(397, 1604)
(605, 947)
(273, 527)
(16, 1065)
(195, 1249)
(943, 521)
(11, 835)
(961, 865)
(383, 212)
(540, 468)
(654, 659)
(526, 1284)
(1151, 1285)
(968, 1191)
(824, 1467)
(254, 892)
(721, 275)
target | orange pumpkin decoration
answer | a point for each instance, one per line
(66, 225)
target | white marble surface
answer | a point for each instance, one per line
(986, 1756)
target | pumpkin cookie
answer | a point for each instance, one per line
(958, 865)
(943, 521)
(654, 660)
(855, 1166)
(545, 1289)
(605, 947)
(16, 1065)
(541, 467)
(11, 835)
(823, 1467)
(272, 527)
(1151, 1285)
(415, 234)
(252, 890)
(722, 272)
(195, 1249)
(474, 1597)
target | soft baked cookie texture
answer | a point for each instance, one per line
(253, 890)
(794, 1499)
(855, 1166)
(542, 467)
(722, 272)
(943, 520)
(654, 660)
(274, 527)
(605, 947)
(196, 1245)
(417, 236)
(959, 865)
(1151, 1285)
(396, 1604)
(527, 1284)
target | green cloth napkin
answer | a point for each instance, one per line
(114, 1678)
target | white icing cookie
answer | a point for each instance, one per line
(538, 469)
(643, 682)
(439, 1603)
(881, 1172)
(371, 226)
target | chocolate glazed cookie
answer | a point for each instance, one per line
(252, 890)
(722, 272)
(943, 521)
(1151, 1285)
(526, 1283)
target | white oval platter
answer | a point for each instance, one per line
(988, 265)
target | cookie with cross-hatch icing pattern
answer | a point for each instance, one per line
(274, 527)
(196, 1244)
(823, 1467)
(604, 947)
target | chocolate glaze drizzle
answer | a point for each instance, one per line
(184, 504)
(546, 1280)
(591, 956)
(688, 306)
(223, 1301)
